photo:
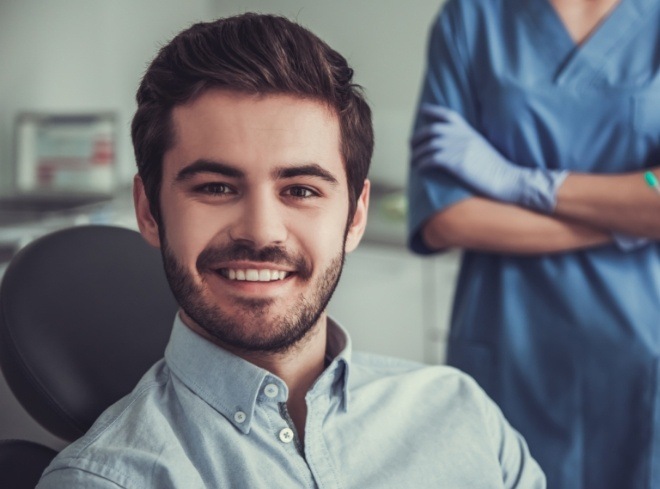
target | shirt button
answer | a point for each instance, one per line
(239, 417)
(271, 390)
(286, 435)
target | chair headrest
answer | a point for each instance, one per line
(22, 462)
(84, 312)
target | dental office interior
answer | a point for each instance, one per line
(66, 58)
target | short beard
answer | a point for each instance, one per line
(266, 334)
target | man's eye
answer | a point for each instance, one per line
(301, 192)
(213, 189)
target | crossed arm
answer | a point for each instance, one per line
(486, 225)
(553, 214)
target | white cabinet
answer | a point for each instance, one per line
(395, 303)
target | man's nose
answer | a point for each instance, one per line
(261, 221)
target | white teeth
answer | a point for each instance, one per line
(264, 275)
(254, 275)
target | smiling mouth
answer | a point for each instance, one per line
(253, 275)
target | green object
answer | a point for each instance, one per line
(651, 180)
(394, 206)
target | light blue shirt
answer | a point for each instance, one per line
(204, 418)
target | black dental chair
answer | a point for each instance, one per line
(84, 312)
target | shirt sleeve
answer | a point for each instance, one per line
(446, 83)
(74, 478)
(519, 469)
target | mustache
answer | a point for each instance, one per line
(212, 255)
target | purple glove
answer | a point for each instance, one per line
(448, 142)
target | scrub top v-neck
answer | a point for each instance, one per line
(568, 344)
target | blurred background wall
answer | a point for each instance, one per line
(81, 55)
(64, 56)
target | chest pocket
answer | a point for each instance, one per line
(552, 126)
(647, 115)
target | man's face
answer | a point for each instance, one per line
(254, 206)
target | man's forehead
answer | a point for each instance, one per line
(256, 132)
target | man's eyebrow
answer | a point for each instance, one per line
(208, 166)
(310, 170)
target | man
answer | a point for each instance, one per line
(253, 146)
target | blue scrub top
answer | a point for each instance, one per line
(568, 344)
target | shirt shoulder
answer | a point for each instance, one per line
(128, 444)
(450, 412)
(369, 368)
(448, 392)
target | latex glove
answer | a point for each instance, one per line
(448, 142)
(626, 242)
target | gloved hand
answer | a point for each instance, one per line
(629, 243)
(448, 142)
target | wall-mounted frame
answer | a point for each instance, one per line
(65, 153)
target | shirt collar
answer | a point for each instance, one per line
(233, 386)
(339, 350)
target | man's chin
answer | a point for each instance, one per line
(251, 333)
(250, 305)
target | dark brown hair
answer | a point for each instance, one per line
(250, 53)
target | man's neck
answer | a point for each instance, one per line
(298, 367)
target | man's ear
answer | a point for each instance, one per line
(359, 222)
(145, 219)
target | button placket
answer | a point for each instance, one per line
(288, 434)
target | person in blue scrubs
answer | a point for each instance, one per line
(536, 149)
